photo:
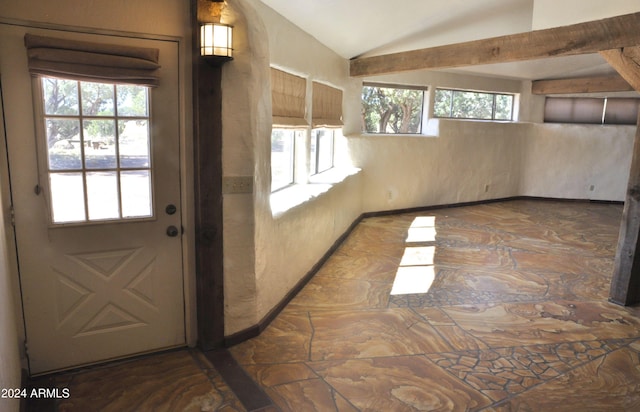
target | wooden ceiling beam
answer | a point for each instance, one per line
(626, 61)
(596, 84)
(590, 37)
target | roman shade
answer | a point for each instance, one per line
(621, 111)
(327, 106)
(573, 110)
(90, 61)
(288, 94)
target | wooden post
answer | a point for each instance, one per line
(625, 286)
(207, 145)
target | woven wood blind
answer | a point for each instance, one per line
(92, 61)
(288, 94)
(327, 106)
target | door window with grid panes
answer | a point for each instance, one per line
(98, 150)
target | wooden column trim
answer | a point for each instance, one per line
(207, 146)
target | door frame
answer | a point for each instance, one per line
(187, 171)
(11, 252)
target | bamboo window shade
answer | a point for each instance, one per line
(327, 106)
(288, 95)
(90, 61)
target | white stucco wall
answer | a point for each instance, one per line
(467, 161)
(285, 246)
(483, 22)
(577, 161)
(554, 13)
(166, 17)
(246, 123)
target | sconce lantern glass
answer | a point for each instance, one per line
(216, 40)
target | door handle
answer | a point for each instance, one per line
(172, 231)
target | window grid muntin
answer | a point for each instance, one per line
(83, 170)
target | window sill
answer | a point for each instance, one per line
(430, 129)
(386, 135)
(296, 195)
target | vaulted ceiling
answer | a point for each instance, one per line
(361, 28)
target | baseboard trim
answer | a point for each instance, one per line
(255, 330)
(483, 202)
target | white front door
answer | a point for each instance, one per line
(96, 192)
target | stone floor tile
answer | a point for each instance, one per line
(399, 384)
(364, 334)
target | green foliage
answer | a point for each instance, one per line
(442, 106)
(132, 101)
(391, 110)
(460, 104)
(471, 105)
(64, 98)
(504, 107)
(97, 99)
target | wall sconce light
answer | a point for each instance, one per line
(216, 42)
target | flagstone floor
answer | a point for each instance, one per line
(494, 307)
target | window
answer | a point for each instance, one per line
(321, 150)
(94, 135)
(464, 104)
(97, 147)
(293, 139)
(589, 110)
(282, 157)
(288, 94)
(391, 109)
(621, 111)
(326, 118)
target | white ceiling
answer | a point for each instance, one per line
(354, 28)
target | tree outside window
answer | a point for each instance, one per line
(464, 104)
(391, 109)
(97, 149)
